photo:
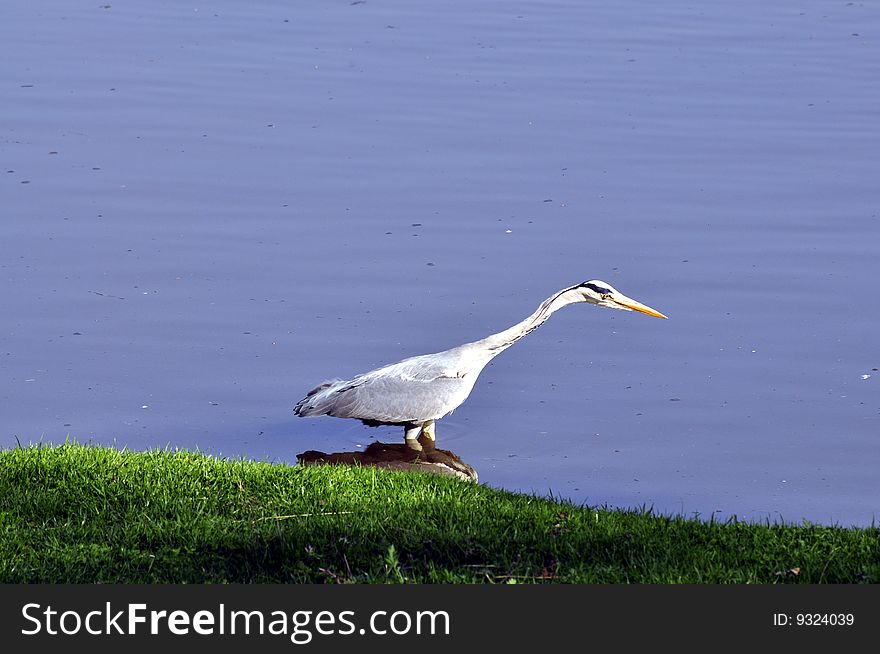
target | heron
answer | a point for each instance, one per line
(417, 391)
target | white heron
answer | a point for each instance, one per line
(419, 390)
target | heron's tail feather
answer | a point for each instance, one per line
(318, 401)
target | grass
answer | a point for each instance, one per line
(78, 514)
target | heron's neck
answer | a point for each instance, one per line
(497, 343)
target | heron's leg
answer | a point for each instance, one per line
(411, 431)
(428, 430)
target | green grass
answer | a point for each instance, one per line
(90, 514)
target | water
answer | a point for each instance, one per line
(209, 208)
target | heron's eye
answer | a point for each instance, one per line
(606, 296)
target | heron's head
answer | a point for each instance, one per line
(604, 294)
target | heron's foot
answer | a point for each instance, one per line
(413, 444)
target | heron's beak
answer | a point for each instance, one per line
(628, 303)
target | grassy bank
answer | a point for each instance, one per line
(88, 514)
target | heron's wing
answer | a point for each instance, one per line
(424, 368)
(390, 399)
(413, 390)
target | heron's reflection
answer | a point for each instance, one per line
(398, 456)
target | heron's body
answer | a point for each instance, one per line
(419, 390)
